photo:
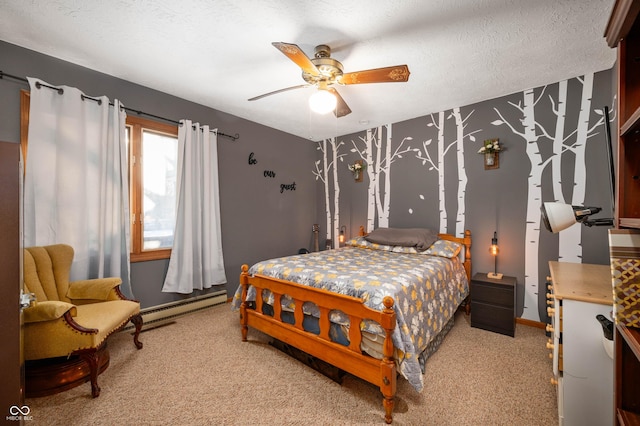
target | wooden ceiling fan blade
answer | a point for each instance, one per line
(342, 108)
(296, 54)
(278, 91)
(395, 74)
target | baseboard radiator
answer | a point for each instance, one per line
(157, 316)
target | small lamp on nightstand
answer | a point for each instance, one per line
(343, 231)
(494, 251)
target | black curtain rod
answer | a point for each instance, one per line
(60, 91)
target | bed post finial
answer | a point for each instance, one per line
(244, 282)
(388, 302)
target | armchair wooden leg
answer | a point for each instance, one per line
(91, 357)
(137, 321)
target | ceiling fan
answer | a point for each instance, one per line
(324, 72)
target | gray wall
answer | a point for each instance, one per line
(258, 221)
(495, 200)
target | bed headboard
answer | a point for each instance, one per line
(465, 241)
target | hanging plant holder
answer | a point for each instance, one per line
(491, 160)
(490, 151)
(357, 170)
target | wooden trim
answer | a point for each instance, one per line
(11, 285)
(73, 324)
(632, 121)
(632, 336)
(629, 222)
(147, 255)
(137, 125)
(119, 293)
(530, 323)
(25, 103)
(621, 20)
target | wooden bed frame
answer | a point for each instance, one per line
(351, 359)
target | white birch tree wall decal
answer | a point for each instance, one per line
(384, 166)
(570, 239)
(372, 174)
(439, 165)
(335, 146)
(534, 198)
(558, 141)
(462, 171)
(378, 164)
(322, 173)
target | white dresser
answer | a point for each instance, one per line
(582, 369)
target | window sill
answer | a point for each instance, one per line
(151, 255)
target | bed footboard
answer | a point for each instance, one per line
(351, 359)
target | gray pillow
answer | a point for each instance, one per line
(419, 238)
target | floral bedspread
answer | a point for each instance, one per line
(426, 289)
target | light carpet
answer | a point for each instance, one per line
(197, 371)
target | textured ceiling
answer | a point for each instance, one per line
(219, 53)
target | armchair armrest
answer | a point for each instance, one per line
(48, 310)
(94, 289)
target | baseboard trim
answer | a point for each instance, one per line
(530, 323)
(157, 316)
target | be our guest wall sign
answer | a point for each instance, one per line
(270, 174)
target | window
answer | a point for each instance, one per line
(153, 159)
(152, 183)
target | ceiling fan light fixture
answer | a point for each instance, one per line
(322, 102)
(324, 72)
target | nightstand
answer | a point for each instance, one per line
(493, 304)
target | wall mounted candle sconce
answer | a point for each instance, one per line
(357, 169)
(491, 153)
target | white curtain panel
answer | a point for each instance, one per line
(196, 258)
(76, 183)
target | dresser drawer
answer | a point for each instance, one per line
(496, 295)
(495, 292)
(492, 318)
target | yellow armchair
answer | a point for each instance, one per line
(72, 318)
